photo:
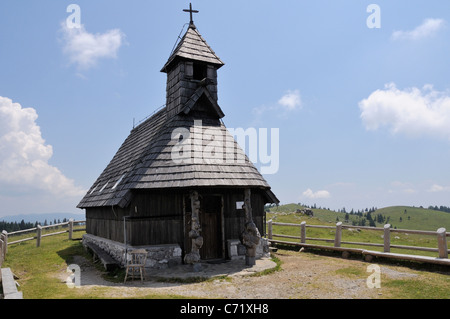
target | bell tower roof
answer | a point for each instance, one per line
(192, 46)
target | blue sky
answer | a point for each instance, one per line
(363, 113)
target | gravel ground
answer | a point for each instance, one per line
(302, 275)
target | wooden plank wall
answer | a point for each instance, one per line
(157, 217)
(235, 218)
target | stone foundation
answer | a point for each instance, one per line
(237, 251)
(159, 256)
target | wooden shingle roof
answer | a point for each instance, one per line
(192, 46)
(145, 161)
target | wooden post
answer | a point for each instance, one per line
(387, 238)
(250, 237)
(5, 242)
(303, 232)
(2, 256)
(337, 239)
(193, 257)
(70, 228)
(38, 235)
(442, 243)
(269, 229)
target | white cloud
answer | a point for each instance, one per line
(402, 187)
(24, 155)
(435, 188)
(85, 49)
(314, 195)
(413, 111)
(288, 103)
(428, 28)
(291, 100)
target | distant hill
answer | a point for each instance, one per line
(408, 217)
(400, 217)
(41, 218)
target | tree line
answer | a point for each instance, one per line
(440, 208)
(16, 226)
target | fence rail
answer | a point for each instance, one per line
(441, 236)
(5, 236)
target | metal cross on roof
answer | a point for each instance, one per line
(190, 12)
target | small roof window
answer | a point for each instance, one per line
(93, 190)
(104, 186)
(118, 182)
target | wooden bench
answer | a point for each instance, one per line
(9, 285)
(108, 262)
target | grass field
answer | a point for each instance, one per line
(40, 269)
(401, 217)
(419, 219)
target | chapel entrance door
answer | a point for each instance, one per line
(211, 223)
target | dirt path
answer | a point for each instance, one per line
(302, 275)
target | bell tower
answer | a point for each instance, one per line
(192, 75)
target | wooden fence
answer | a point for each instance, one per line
(441, 239)
(5, 237)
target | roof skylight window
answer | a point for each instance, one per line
(93, 190)
(118, 182)
(104, 186)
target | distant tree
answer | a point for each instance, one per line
(380, 218)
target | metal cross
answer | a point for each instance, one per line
(190, 12)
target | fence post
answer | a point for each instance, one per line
(303, 232)
(38, 235)
(2, 249)
(1, 253)
(70, 228)
(5, 242)
(337, 239)
(269, 231)
(442, 243)
(387, 238)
